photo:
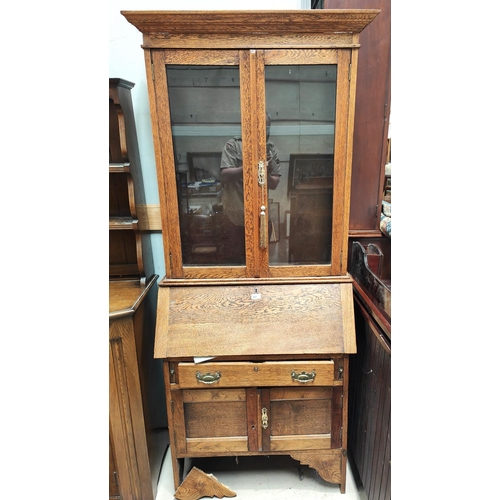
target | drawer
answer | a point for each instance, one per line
(264, 374)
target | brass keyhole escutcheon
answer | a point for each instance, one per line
(264, 418)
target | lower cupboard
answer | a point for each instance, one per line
(300, 417)
(257, 369)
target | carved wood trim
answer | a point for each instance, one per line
(199, 484)
(328, 463)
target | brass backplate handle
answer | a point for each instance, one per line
(208, 378)
(303, 377)
(264, 418)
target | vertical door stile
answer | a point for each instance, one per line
(262, 251)
(246, 135)
(165, 161)
(249, 130)
(350, 145)
(345, 418)
(265, 399)
(253, 419)
(340, 226)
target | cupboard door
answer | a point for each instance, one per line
(279, 419)
(300, 89)
(308, 95)
(215, 420)
(301, 418)
(198, 111)
(254, 161)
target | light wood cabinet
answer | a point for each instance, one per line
(277, 382)
(269, 96)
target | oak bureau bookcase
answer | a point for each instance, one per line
(252, 117)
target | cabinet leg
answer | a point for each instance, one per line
(178, 468)
(343, 473)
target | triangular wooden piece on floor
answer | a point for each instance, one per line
(199, 484)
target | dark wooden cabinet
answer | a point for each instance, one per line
(371, 123)
(369, 429)
(133, 461)
(370, 407)
(370, 369)
(255, 331)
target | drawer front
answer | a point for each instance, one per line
(247, 374)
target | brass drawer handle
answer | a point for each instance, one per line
(208, 378)
(303, 377)
(264, 418)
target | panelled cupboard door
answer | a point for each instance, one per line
(255, 166)
(239, 420)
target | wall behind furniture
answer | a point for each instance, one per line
(126, 60)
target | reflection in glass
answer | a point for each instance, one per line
(301, 102)
(205, 115)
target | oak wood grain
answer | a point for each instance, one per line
(260, 322)
(287, 319)
(247, 374)
(238, 23)
(250, 40)
(198, 484)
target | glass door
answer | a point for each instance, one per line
(250, 139)
(200, 130)
(301, 93)
(205, 117)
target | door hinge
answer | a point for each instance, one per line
(152, 69)
(171, 263)
(172, 406)
(350, 66)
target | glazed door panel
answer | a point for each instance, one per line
(197, 109)
(241, 131)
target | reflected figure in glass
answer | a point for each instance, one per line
(231, 174)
